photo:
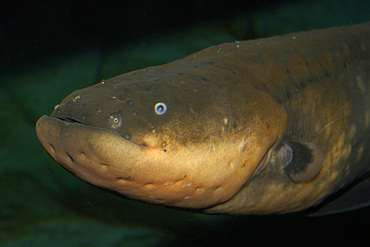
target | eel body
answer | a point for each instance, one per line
(271, 125)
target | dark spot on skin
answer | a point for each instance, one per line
(164, 150)
(258, 88)
(130, 102)
(346, 65)
(288, 95)
(203, 79)
(307, 63)
(327, 74)
(143, 144)
(302, 156)
(287, 71)
(303, 85)
(211, 62)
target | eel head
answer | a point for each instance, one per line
(182, 144)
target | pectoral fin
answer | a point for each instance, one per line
(303, 160)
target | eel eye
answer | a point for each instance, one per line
(115, 120)
(160, 108)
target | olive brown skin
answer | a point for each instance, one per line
(263, 126)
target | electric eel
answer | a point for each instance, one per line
(265, 126)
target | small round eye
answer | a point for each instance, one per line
(115, 120)
(160, 108)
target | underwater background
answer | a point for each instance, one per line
(50, 48)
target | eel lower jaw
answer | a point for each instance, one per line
(89, 154)
(103, 158)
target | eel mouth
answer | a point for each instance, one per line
(105, 159)
(75, 121)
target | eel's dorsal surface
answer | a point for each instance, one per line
(262, 126)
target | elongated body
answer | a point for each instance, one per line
(262, 126)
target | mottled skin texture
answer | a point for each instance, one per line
(230, 108)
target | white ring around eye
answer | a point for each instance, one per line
(115, 120)
(160, 108)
